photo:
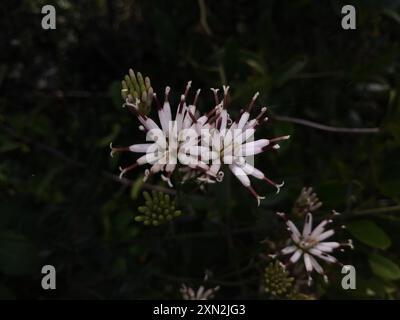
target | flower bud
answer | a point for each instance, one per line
(159, 208)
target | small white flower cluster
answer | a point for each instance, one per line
(201, 293)
(200, 144)
(307, 201)
(311, 244)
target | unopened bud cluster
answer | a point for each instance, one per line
(278, 281)
(158, 208)
(138, 90)
(306, 202)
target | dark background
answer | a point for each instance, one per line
(60, 107)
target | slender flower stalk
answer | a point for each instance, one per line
(310, 244)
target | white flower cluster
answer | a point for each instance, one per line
(201, 293)
(310, 244)
(200, 145)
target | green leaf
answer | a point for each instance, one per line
(392, 14)
(390, 175)
(289, 70)
(255, 65)
(136, 187)
(8, 146)
(369, 233)
(17, 254)
(383, 267)
(110, 137)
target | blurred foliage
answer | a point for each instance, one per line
(60, 107)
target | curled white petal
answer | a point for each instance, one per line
(296, 256)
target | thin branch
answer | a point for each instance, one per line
(324, 127)
(214, 234)
(58, 154)
(59, 94)
(320, 75)
(128, 182)
(378, 210)
(41, 146)
(203, 17)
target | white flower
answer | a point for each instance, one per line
(163, 153)
(200, 145)
(311, 244)
(201, 293)
(231, 140)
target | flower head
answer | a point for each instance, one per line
(136, 88)
(200, 294)
(277, 281)
(159, 208)
(310, 244)
(231, 140)
(200, 144)
(168, 145)
(306, 202)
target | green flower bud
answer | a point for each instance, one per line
(125, 90)
(177, 213)
(302, 296)
(154, 195)
(278, 281)
(143, 209)
(144, 96)
(147, 196)
(150, 94)
(147, 83)
(159, 208)
(141, 81)
(135, 84)
(129, 84)
(139, 89)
